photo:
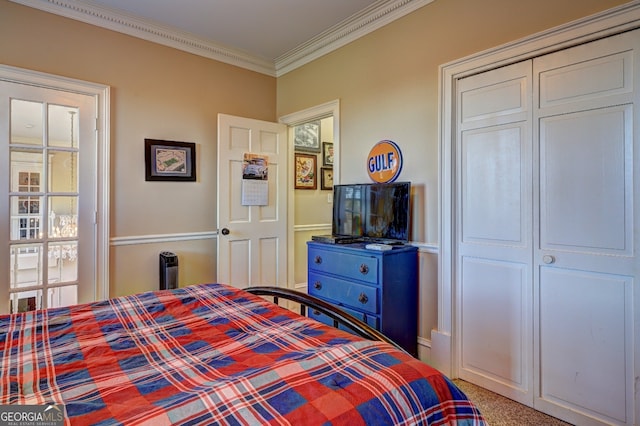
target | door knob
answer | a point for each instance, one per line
(224, 231)
(548, 259)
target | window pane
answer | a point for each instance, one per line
(63, 217)
(25, 265)
(26, 217)
(62, 296)
(63, 266)
(64, 171)
(26, 170)
(63, 126)
(26, 122)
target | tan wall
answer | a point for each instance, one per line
(156, 92)
(387, 82)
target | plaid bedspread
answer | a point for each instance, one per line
(211, 354)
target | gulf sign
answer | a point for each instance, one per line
(384, 163)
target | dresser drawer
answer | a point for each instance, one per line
(343, 292)
(369, 319)
(357, 267)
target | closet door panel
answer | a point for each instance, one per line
(497, 355)
(586, 181)
(585, 350)
(491, 185)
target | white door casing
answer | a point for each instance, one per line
(254, 251)
(564, 269)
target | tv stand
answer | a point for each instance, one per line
(378, 287)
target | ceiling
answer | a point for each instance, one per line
(268, 36)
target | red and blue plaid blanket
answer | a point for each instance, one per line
(211, 354)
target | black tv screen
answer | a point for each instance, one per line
(373, 211)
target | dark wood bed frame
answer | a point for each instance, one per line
(338, 316)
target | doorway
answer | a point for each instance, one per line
(318, 200)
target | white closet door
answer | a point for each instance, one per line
(494, 231)
(585, 264)
(547, 231)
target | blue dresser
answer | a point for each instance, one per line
(377, 287)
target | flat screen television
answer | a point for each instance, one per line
(377, 212)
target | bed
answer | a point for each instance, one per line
(213, 354)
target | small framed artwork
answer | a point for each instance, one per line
(327, 154)
(326, 178)
(305, 171)
(307, 137)
(169, 160)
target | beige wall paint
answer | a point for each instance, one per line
(157, 92)
(387, 82)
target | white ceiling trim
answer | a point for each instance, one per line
(368, 20)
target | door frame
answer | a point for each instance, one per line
(328, 109)
(444, 349)
(101, 94)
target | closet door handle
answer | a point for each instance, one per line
(548, 259)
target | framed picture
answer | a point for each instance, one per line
(305, 171)
(326, 178)
(327, 154)
(307, 137)
(169, 160)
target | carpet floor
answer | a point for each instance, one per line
(500, 411)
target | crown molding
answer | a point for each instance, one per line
(377, 15)
(366, 21)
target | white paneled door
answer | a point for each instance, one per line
(252, 202)
(548, 231)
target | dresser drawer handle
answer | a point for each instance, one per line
(364, 269)
(363, 298)
(317, 260)
(317, 285)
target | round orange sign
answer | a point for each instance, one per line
(384, 162)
